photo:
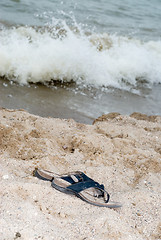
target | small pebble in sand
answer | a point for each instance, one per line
(5, 177)
(17, 235)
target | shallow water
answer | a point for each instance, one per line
(83, 106)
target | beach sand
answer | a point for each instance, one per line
(122, 152)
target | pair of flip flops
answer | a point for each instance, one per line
(78, 184)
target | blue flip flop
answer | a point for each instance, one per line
(78, 184)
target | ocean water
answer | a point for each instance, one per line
(80, 59)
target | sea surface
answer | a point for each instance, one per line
(80, 59)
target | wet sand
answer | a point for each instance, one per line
(122, 152)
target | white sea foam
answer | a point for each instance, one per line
(29, 55)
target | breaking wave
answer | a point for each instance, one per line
(59, 52)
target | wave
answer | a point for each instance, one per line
(40, 55)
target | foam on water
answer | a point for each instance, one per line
(68, 54)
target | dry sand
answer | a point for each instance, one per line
(122, 152)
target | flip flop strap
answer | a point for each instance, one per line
(80, 186)
(80, 177)
(71, 180)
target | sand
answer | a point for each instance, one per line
(122, 152)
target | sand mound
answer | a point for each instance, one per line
(122, 152)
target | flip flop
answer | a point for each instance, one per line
(71, 177)
(78, 184)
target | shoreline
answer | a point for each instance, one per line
(81, 105)
(122, 152)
